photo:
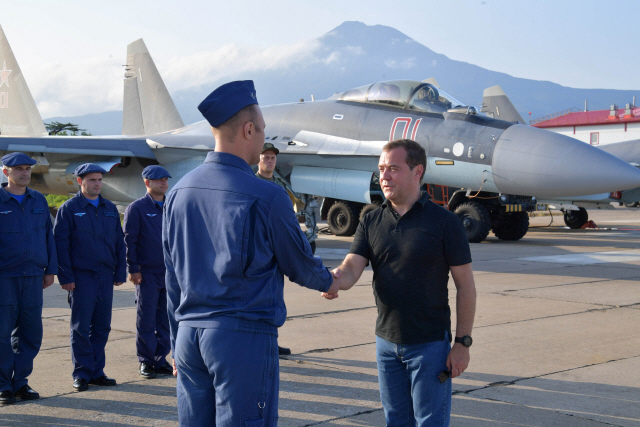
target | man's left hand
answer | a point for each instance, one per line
(47, 281)
(458, 359)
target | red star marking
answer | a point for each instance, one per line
(4, 75)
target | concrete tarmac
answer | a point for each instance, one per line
(556, 343)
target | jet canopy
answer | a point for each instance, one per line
(406, 94)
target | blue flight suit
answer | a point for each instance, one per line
(228, 238)
(27, 252)
(142, 228)
(91, 254)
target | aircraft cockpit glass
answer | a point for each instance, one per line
(432, 100)
(424, 97)
(358, 94)
(392, 93)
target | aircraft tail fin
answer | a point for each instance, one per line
(496, 104)
(19, 115)
(148, 108)
(432, 81)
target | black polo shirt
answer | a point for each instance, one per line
(410, 257)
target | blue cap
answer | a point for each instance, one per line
(17, 159)
(88, 168)
(155, 172)
(224, 102)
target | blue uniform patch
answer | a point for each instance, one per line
(80, 213)
(152, 215)
(37, 211)
(110, 214)
(6, 212)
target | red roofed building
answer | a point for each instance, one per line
(595, 127)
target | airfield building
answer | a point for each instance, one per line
(595, 127)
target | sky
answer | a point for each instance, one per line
(71, 51)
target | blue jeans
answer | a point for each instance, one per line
(226, 378)
(410, 390)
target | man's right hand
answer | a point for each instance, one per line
(69, 286)
(135, 278)
(332, 293)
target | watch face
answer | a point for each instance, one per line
(466, 341)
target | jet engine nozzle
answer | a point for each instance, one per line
(532, 161)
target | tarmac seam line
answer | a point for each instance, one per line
(551, 316)
(565, 284)
(311, 315)
(370, 411)
(514, 382)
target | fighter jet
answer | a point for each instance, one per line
(331, 148)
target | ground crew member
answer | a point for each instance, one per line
(91, 260)
(266, 166)
(143, 237)
(228, 238)
(28, 262)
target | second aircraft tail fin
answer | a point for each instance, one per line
(148, 108)
(19, 115)
(496, 104)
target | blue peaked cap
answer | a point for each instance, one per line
(155, 172)
(17, 159)
(88, 168)
(224, 102)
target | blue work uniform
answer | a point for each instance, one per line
(27, 252)
(228, 238)
(91, 254)
(143, 237)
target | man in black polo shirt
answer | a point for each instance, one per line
(412, 244)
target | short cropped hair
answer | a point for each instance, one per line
(415, 153)
(247, 114)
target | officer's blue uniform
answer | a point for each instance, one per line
(143, 237)
(27, 252)
(228, 239)
(91, 254)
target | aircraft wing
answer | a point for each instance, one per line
(108, 146)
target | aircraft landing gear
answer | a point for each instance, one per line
(368, 208)
(475, 220)
(511, 226)
(342, 218)
(576, 219)
(309, 215)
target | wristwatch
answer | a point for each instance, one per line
(465, 340)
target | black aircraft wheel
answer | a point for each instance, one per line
(632, 204)
(475, 220)
(511, 226)
(368, 208)
(342, 219)
(576, 219)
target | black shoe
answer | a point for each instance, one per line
(103, 380)
(147, 370)
(284, 351)
(7, 397)
(80, 384)
(165, 369)
(27, 393)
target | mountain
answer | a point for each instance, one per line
(355, 54)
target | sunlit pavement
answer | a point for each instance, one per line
(556, 343)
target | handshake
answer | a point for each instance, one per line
(337, 285)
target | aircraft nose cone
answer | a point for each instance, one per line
(537, 162)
